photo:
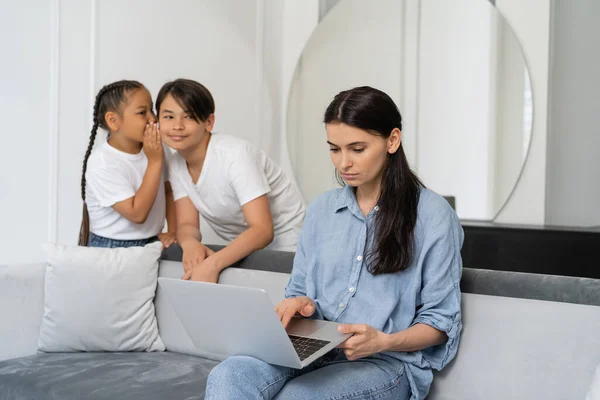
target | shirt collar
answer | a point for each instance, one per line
(344, 198)
(347, 199)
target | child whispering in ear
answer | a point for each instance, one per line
(123, 185)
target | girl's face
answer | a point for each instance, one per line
(178, 127)
(135, 115)
(359, 156)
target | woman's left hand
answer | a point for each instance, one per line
(365, 341)
(206, 271)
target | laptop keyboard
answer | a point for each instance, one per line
(306, 347)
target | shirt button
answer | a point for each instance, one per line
(376, 208)
(352, 290)
(359, 258)
(341, 305)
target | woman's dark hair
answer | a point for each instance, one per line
(192, 96)
(110, 98)
(374, 111)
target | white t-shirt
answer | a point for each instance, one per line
(113, 176)
(233, 174)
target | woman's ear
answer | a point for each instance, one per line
(113, 121)
(394, 140)
(210, 122)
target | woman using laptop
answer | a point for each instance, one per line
(382, 257)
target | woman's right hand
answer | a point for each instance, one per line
(287, 308)
(194, 253)
(153, 148)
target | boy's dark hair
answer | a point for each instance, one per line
(192, 96)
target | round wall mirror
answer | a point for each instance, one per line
(458, 75)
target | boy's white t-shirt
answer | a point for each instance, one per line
(113, 176)
(233, 174)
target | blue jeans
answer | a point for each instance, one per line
(330, 377)
(100, 241)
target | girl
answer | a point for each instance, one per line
(122, 181)
(243, 195)
(381, 257)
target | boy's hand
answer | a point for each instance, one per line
(194, 253)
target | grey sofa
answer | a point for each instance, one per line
(525, 337)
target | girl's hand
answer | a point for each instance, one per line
(365, 341)
(194, 253)
(153, 143)
(287, 308)
(167, 239)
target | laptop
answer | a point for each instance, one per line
(224, 320)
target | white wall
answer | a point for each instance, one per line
(27, 110)
(299, 19)
(573, 182)
(77, 91)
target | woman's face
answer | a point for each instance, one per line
(359, 156)
(178, 127)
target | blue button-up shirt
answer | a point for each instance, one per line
(330, 268)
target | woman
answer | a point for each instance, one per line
(380, 256)
(241, 193)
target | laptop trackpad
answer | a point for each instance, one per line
(304, 327)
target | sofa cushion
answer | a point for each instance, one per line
(521, 349)
(99, 299)
(104, 376)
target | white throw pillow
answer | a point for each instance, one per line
(99, 299)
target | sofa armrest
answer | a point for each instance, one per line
(21, 308)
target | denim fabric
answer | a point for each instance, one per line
(330, 268)
(330, 377)
(100, 241)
